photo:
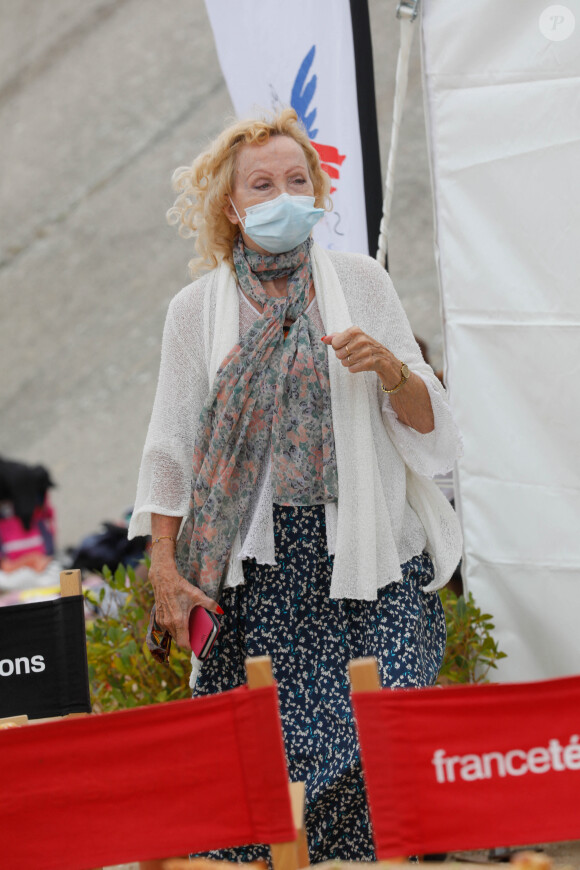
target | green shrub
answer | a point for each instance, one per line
(471, 650)
(122, 672)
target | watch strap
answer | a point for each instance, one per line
(402, 382)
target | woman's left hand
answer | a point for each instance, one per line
(358, 352)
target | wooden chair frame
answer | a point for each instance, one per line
(364, 677)
(285, 856)
(70, 584)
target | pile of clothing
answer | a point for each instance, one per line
(29, 565)
(27, 531)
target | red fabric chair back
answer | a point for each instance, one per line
(143, 784)
(471, 767)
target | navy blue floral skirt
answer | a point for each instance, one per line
(286, 612)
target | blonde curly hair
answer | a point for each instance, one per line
(204, 186)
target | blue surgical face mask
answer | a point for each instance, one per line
(280, 224)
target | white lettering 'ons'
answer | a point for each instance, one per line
(38, 665)
(22, 665)
(6, 668)
(515, 762)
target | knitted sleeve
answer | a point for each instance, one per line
(431, 453)
(165, 474)
(376, 308)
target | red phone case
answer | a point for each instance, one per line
(203, 630)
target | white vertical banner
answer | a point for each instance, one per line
(503, 124)
(276, 53)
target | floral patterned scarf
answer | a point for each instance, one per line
(272, 392)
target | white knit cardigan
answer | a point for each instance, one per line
(388, 508)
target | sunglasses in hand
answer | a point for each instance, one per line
(158, 639)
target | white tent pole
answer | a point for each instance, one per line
(406, 13)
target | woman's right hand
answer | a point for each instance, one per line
(175, 598)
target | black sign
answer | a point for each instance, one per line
(43, 659)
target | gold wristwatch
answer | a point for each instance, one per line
(405, 375)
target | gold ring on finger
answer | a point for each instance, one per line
(348, 359)
(347, 351)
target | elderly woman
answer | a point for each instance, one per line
(288, 464)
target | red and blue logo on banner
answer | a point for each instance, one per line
(300, 99)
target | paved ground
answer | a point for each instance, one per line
(99, 102)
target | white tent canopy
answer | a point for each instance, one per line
(503, 122)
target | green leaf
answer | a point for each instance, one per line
(471, 649)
